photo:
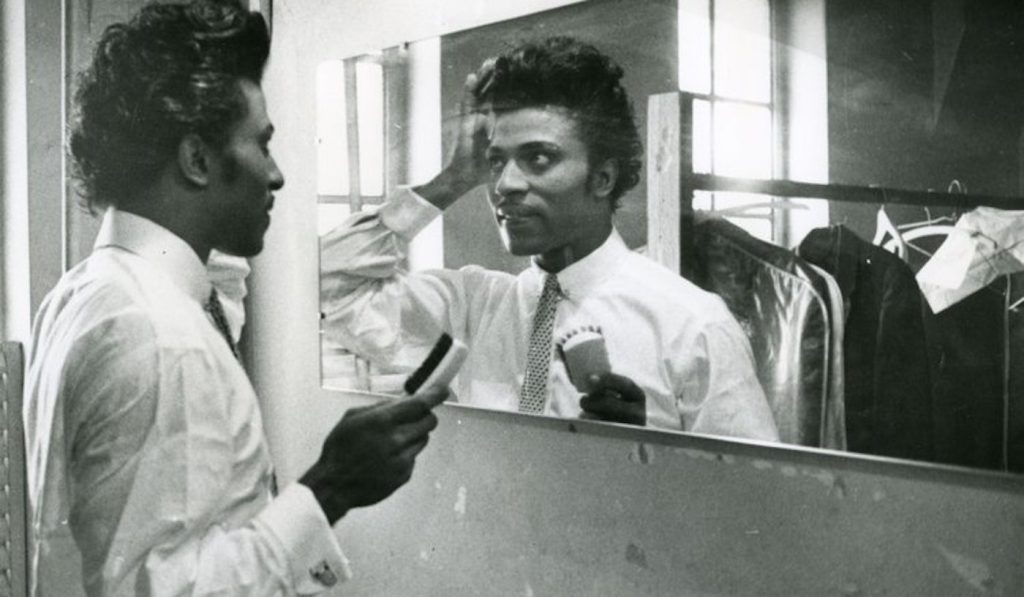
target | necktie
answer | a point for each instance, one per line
(534, 392)
(216, 312)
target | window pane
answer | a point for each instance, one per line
(758, 228)
(703, 200)
(701, 136)
(743, 140)
(370, 104)
(331, 130)
(695, 46)
(330, 215)
(743, 49)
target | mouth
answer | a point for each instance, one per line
(512, 217)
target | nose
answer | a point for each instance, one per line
(276, 179)
(511, 180)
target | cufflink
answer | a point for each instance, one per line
(323, 574)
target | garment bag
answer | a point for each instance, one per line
(781, 305)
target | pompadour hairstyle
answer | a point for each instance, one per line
(562, 71)
(172, 70)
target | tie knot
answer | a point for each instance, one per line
(551, 285)
(212, 301)
(216, 312)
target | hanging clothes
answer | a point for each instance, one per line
(967, 349)
(984, 244)
(887, 381)
(835, 412)
(780, 303)
(1014, 407)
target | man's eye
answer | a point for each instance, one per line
(496, 164)
(539, 161)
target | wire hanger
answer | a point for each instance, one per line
(884, 228)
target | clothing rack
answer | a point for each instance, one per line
(672, 182)
(848, 193)
(672, 185)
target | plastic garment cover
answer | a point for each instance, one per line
(773, 295)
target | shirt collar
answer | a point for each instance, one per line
(581, 277)
(157, 245)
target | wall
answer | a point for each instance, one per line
(31, 164)
(921, 93)
(503, 507)
(502, 504)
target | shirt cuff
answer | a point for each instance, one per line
(406, 213)
(314, 556)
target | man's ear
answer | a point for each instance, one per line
(194, 160)
(603, 178)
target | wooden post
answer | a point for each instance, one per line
(669, 196)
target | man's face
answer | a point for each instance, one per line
(540, 189)
(245, 180)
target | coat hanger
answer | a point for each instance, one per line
(884, 229)
(928, 221)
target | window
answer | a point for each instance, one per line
(725, 61)
(350, 137)
(378, 124)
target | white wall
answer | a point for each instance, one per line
(31, 159)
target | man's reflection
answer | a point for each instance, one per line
(550, 130)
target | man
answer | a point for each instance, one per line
(562, 150)
(144, 435)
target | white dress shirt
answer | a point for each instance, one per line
(677, 342)
(145, 443)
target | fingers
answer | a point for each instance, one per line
(412, 432)
(432, 396)
(409, 454)
(467, 105)
(604, 406)
(617, 384)
(404, 411)
(615, 398)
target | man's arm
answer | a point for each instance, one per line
(370, 304)
(721, 395)
(155, 474)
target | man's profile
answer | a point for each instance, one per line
(146, 451)
(549, 129)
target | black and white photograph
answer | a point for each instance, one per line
(614, 298)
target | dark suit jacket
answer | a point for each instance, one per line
(888, 384)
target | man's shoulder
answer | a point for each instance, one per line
(116, 294)
(657, 285)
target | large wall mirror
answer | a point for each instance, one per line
(882, 299)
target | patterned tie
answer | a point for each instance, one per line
(538, 357)
(216, 312)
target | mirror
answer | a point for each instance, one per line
(859, 97)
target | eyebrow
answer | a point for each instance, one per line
(528, 146)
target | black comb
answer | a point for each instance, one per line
(441, 347)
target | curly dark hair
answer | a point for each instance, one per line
(172, 70)
(562, 71)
